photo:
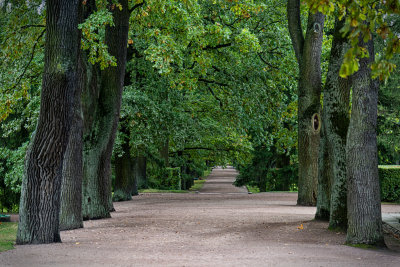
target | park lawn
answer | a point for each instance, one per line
(8, 233)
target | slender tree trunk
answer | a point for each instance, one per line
(41, 187)
(324, 179)
(99, 141)
(140, 172)
(124, 175)
(71, 187)
(164, 152)
(363, 199)
(308, 54)
(335, 120)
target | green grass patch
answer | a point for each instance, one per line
(362, 246)
(198, 184)
(253, 189)
(150, 190)
(8, 233)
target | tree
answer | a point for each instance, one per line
(41, 187)
(99, 139)
(308, 53)
(332, 179)
(363, 199)
(71, 188)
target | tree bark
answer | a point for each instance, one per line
(308, 54)
(335, 121)
(71, 187)
(99, 140)
(41, 187)
(363, 199)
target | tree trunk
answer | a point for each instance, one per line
(363, 199)
(41, 187)
(335, 120)
(99, 140)
(124, 176)
(164, 152)
(308, 54)
(71, 187)
(324, 180)
(140, 172)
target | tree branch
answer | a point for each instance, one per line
(29, 62)
(214, 82)
(137, 6)
(208, 47)
(295, 30)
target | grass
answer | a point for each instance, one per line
(362, 246)
(198, 184)
(253, 189)
(8, 233)
(151, 190)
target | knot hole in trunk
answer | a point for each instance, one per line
(316, 122)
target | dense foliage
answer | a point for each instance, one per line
(213, 81)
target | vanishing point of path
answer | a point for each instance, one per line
(219, 226)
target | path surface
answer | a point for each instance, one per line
(217, 227)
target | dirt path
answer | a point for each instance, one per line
(205, 229)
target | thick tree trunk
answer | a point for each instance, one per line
(308, 53)
(71, 188)
(99, 141)
(363, 199)
(335, 120)
(41, 187)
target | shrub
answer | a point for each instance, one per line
(389, 177)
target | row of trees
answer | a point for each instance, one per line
(182, 83)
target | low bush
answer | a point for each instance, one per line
(389, 177)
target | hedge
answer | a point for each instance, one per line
(389, 177)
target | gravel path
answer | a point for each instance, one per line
(216, 227)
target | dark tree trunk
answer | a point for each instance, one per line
(335, 121)
(71, 187)
(164, 152)
(124, 175)
(308, 54)
(99, 140)
(363, 199)
(41, 187)
(140, 172)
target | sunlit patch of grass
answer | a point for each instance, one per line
(198, 184)
(253, 189)
(8, 233)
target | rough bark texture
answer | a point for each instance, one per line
(41, 187)
(335, 121)
(363, 199)
(99, 140)
(71, 187)
(308, 53)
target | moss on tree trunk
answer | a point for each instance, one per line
(100, 137)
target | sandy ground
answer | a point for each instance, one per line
(219, 226)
